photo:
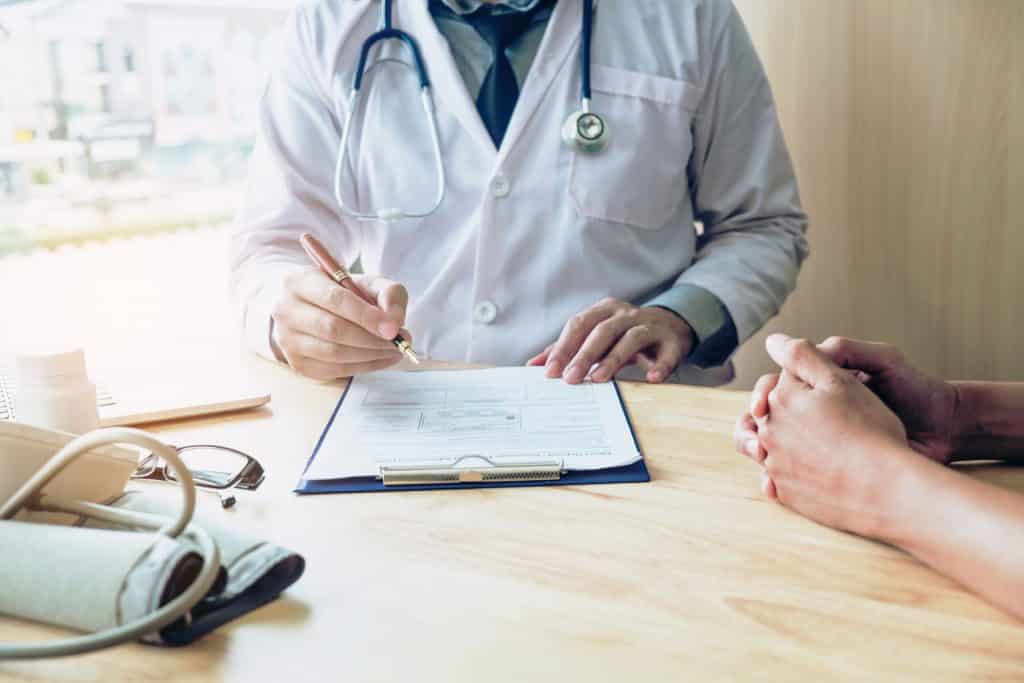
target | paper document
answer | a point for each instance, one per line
(509, 415)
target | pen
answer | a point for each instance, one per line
(329, 265)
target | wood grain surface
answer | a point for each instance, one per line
(691, 577)
(905, 120)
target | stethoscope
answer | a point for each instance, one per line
(583, 131)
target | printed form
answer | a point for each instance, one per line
(509, 415)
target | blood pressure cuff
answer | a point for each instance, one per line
(90, 579)
(257, 572)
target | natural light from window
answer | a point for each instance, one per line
(122, 117)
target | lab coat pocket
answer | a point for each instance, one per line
(640, 179)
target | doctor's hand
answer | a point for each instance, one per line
(832, 450)
(326, 332)
(615, 334)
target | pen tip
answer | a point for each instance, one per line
(406, 349)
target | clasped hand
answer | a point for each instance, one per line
(835, 428)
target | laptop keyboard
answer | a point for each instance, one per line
(6, 407)
(104, 399)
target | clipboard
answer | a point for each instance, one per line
(543, 474)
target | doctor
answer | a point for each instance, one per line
(513, 236)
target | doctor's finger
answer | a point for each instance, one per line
(301, 316)
(573, 335)
(541, 358)
(315, 369)
(659, 359)
(602, 344)
(353, 369)
(323, 292)
(320, 370)
(644, 360)
(669, 355)
(391, 297)
(298, 344)
(630, 342)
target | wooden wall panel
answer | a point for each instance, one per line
(904, 119)
(1011, 345)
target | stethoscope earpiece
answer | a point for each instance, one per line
(585, 131)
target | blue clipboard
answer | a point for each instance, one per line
(634, 473)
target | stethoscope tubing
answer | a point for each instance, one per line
(387, 31)
(586, 36)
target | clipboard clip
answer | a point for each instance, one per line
(454, 474)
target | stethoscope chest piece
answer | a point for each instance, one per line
(585, 131)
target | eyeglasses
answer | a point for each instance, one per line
(212, 467)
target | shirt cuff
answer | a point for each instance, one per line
(709, 319)
(258, 324)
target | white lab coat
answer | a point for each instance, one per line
(531, 233)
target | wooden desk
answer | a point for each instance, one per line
(691, 577)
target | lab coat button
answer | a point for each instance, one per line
(500, 186)
(485, 312)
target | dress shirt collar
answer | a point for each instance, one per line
(468, 6)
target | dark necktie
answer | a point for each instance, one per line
(499, 92)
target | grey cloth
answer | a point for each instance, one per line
(257, 571)
(713, 327)
(79, 578)
(145, 586)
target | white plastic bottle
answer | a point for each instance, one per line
(54, 391)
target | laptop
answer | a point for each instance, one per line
(123, 406)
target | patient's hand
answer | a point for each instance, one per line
(831, 449)
(926, 405)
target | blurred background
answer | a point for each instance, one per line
(121, 117)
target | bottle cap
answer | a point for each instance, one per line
(36, 367)
(53, 391)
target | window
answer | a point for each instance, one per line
(127, 116)
(101, 57)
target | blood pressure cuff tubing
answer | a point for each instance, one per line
(257, 572)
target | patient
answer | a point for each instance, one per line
(851, 435)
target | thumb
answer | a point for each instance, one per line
(392, 299)
(869, 357)
(801, 359)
